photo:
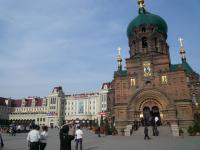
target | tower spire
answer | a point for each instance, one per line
(141, 3)
(119, 59)
(182, 49)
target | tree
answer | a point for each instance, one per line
(107, 126)
(196, 127)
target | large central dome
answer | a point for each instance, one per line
(146, 18)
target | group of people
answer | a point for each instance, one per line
(37, 140)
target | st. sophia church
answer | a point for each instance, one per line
(151, 86)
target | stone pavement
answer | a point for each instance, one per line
(92, 142)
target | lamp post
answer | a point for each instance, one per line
(141, 119)
(7, 117)
(141, 115)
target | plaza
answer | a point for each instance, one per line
(92, 142)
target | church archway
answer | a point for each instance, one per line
(151, 113)
(149, 100)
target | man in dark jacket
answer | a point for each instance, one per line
(65, 138)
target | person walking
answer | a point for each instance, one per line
(79, 138)
(146, 133)
(43, 137)
(65, 138)
(33, 138)
(99, 131)
(1, 140)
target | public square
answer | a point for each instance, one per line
(92, 142)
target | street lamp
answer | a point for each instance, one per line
(141, 115)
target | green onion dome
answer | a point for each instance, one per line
(146, 18)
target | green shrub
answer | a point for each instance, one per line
(196, 128)
(191, 130)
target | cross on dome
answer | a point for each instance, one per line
(181, 41)
(119, 51)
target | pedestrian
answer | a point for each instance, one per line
(65, 138)
(146, 133)
(1, 140)
(38, 128)
(33, 138)
(79, 138)
(99, 131)
(43, 137)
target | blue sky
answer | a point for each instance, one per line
(72, 43)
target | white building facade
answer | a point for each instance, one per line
(82, 106)
(87, 106)
(56, 108)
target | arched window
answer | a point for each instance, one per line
(144, 42)
(143, 29)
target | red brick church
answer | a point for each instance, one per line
(151, 86)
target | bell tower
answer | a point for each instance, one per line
(149, 51)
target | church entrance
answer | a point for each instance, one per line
(151, 116)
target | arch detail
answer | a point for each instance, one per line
(149, 97)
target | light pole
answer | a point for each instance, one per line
(7, 113)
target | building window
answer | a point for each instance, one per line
(132, 82)
(143, 29)
(164, 79)
(144, 42)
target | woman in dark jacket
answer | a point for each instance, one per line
(65, 138)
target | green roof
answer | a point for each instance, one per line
(187, 67)
(184, 65)
(146, 18)
(174, 68)
(122, 73)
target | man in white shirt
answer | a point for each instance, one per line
(33, 138)
(79, 137)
